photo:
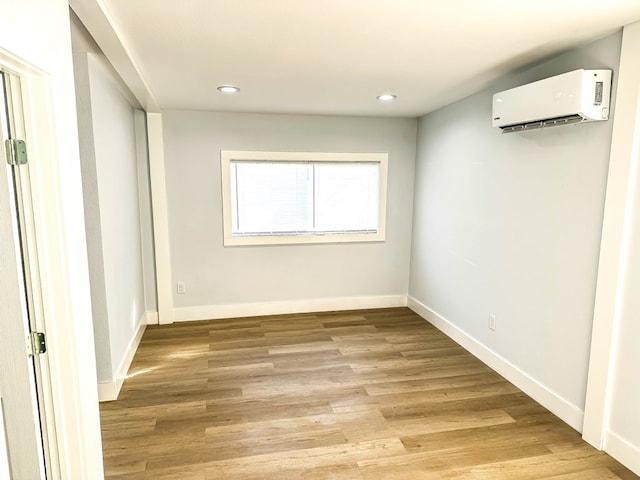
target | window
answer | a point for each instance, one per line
(287, 197)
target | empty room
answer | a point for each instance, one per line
(320, 239)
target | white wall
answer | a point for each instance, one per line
(111, 156)
(92, 218)
(624, 422)
(116, 165)
(36, 33)
(510, 225)
(216, 276)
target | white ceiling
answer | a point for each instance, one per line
(335, 56)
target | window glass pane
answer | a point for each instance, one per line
(270, 197)
(346, 197)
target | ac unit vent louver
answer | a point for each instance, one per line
(551, 122)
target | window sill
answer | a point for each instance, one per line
(303, 239)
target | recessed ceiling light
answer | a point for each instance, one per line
(228, 89)
(387, 97)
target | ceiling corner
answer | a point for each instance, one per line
(99, 23)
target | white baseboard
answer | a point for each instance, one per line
(4, 454)
(623, 451)
(108, 391)
(151, 318)
(213, 312)
(562, 408)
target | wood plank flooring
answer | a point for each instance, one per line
(344, 395)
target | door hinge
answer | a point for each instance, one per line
(36, 344)
(16, 151)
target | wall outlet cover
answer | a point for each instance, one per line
(492, 322)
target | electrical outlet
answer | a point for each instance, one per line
(492, 322)
(181, 287)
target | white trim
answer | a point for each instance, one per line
(145, 210)
(310, 238)
(620, 200)
(98, 21)
(226, 156)
(160, 218)
(151, 318)
(108, 391)
(564, 409)
(4, 454)
(71, 410)
(623, 451)
(213, 312)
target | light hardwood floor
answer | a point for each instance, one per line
(376, 394)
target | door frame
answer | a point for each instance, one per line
(27, 295)
(69, 373)
(622, 198)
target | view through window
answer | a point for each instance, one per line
(286, 197)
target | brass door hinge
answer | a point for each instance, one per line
(15, 151)
(36, 344)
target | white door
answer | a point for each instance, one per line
(22, 451)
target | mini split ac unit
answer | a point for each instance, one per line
(573, 97)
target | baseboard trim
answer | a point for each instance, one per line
(151, 318)
(4, 454)
(565, 410)
(623, 451)
(214, 312)
(109, 391)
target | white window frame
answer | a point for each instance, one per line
(227, 156)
